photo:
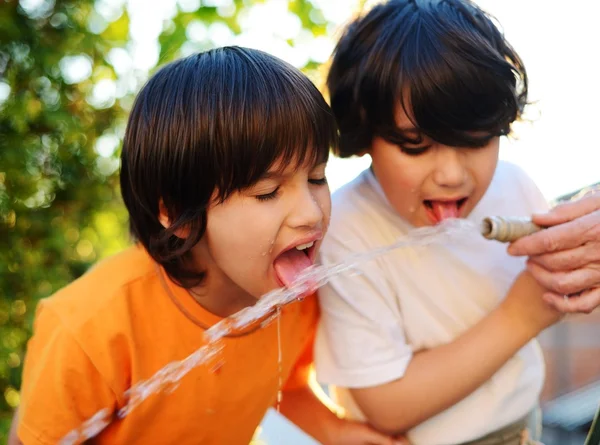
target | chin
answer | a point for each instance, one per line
(420, 221)
(273, 285)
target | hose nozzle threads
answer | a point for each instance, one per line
(507, 229)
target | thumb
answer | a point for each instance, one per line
(569, 211)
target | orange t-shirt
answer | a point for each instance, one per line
(122, 322)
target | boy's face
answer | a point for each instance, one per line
(261, 238)
(430, 182)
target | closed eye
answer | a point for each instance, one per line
(318, 181)
(268, 196)
(414, 151)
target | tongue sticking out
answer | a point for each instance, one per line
(444, 209)
(290, 264)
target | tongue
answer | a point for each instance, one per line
(444, 209)
(290, 264)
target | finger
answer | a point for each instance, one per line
(561, 237)
(568, 282)
(585, 303)
(569, 211)
(569, 259)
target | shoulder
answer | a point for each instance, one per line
(361, 213)
(509, 174)
(508, 171)
(512, 192)
(94, 319)
(355, 195)
(103, 288)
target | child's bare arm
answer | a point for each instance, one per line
(307, 411)
(13, 439)
(307, 406)
(439, 378)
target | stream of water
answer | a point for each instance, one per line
(167, 378)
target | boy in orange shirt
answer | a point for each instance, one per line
(223, 175)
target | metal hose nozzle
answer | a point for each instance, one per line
(507, 229)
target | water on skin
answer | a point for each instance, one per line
(167, 378)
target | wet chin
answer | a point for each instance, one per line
(417, 218)
(269, 287)
(420, 219)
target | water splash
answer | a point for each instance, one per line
(279, 361)
(314, 277)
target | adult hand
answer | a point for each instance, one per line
(565, 257)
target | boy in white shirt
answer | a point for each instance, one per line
(438, 341)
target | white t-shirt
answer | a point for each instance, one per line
(419, 298)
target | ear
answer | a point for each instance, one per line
(163, 217)
(165, 221)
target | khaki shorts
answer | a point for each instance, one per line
(526, 431)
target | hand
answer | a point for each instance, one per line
(525, 305)
(565, 258)
(350, 432)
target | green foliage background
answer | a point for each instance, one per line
(60, 208)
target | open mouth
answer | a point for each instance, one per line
(440, 210)
(292, 262)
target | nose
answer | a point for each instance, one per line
(450, 170)
(306, 210)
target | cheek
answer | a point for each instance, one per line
(233, 230)
(239, 248)
(400, 176)
(484, 165)
(397, 172)
(323, 197)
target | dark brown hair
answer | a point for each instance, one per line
(445, 61)
(214, 121)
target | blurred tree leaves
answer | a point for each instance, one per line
(58, 199)
(63, 104)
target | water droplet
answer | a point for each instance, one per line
(216, 368)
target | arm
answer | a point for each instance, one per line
(565, 258)
(307, 406)
(307, 411)
(13, 439)
(467, 362)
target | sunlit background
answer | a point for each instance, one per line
(68, 73)
(557, 40)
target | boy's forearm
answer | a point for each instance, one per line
(438, 378)
(309, 413)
